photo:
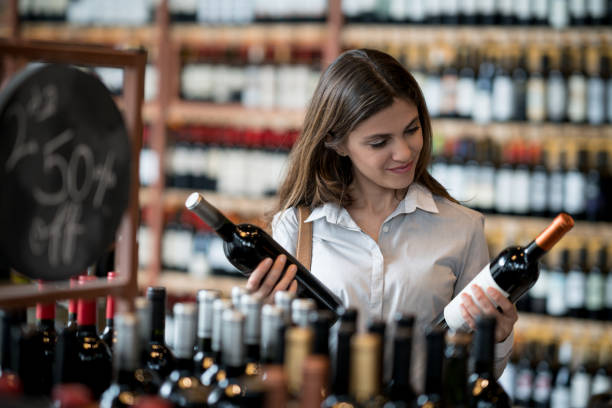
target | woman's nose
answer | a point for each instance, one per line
(402, 150)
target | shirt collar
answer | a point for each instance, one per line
(417, 196)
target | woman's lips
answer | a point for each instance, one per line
(402, 169)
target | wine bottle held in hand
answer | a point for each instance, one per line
(512, 272)
(246, 245)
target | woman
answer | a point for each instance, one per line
(387, 237)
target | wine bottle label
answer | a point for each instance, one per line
(580, 390)
(486, 187)
(439, 172)
(465, 96)
(596, 8)
(452, 311)
(576, 108)
(538, 188)
(522, 10)
(524, 385)
(482, 105)
(556, 196)
(558, 16)
(433, 8)
(574, 197)
(555, 301)
(508, 380)
(503, 190)
(609, 98)
(595, 101)
(520, 191)
(506, 8)
(594, 292)
(577, 9)
(575, 289)
(468, 7)
(450, 7)
(539, 8)
(486, 7)
(503, 94)
(433, 95)
(560, 397)
(540, 289)
(556, 98)
(601, 384)
(536, 100)
(542, 385)
(608, 291)
(456, 181)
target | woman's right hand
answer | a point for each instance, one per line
(264, 281)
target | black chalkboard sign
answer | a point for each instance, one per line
(64, 171)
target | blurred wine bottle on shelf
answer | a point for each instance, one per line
(204, 356)
(159, 358)
(108, 334)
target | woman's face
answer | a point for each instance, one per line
(384, 149)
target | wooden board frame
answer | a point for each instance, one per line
(133, 62)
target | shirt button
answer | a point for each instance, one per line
(386, 228)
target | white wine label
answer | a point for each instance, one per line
(580, 390)
(594, 291)
(575, 184)
(555, 301)
(608, 291)
(601, 384)
(575, 289)
(465, 96)
(452, 311)
(560, 398)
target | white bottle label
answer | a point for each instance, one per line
(574, 197)
(540, 9)
(609, 98)
(486, 184)
(556, 98)
(594, 291)
(575, 289)
(555, 301)
(482, 106)
(556, 195)
(540, 289)
(576, 108)
(559, 16)
(608, 291)
(524, 385)
(560, 398)
(595, 101)
(601, 384)
(503, 190)
(536, 100)
(580, 390)
(520, 191)
(503, 95)
(521, 9)
(465, 96)
(542, 385)
(538, 188)
(452, 311)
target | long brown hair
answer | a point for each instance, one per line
(357, 85)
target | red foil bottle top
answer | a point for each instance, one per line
(45, 311)
(110, 300)
(86, 309)
(72, 303)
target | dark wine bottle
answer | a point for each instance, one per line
(512, 272)
(181, 387)
(339, 392)
(108, 335)
(10, 383)
(298, 347)
(321, 321)
(239, 388)
(575, 289)
(483, 387)
(130, 382)
(283, 300)
(456, 369)
(316, 374)
(432, 395)
(379, 327)
(94, 363)
(159, 358)
(272, 323)
(246, 245)
(300, 309)
(399, 388)
(44, 342)
(204, 356)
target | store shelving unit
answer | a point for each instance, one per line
(165, 41)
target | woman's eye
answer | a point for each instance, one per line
(412, 130)
(378, 144)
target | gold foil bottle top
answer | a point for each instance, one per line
(297, 348)
(458, 337)
(365, 366)
(275, 382)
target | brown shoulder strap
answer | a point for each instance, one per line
(304, 242)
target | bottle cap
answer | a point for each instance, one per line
(126, 351)
(271, 321)
(283, 300)
(219, 306)
(300, 308)
(156, 293)
(250, 306)
(141, 304)
(232, 347)
(184, 329)
(365, 366)
(299, 343)
(237, 292)
(555, 231)
(206, 298)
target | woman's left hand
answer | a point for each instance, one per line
(505, 319)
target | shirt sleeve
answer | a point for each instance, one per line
(285, 229)
(476, 257)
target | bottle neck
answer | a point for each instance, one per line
(340, 381)
(110, 308)
(46, 324)
(205, 344)
(45, 311)
(400, 384)
(86, 312)
(226, 231)
(484, 352)
(533, 252)
(158, 320)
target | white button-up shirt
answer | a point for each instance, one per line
(428, 249)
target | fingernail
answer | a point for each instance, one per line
(293, 269)
(283, 258)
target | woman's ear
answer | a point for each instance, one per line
(335, 146)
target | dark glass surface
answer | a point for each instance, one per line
(94, 363)
(183, 389)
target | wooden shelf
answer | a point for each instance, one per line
(382, 35)
(204, 113)
(106, 35)
(196, 35)
(584, 329)
(184, 284)
(175, 199)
